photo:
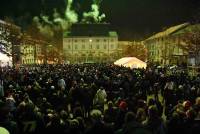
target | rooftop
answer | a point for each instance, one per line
(169, 31)
(94, 29)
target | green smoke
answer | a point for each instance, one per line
(46, 26)
(45, 29)
(94, 14)
(70, 14)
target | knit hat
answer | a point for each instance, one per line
(123, 105)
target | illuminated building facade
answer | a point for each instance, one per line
(29, 49)
(90, 43)
(32, 51)
(169, 47)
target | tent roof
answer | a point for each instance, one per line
(127, 59)
(130, 62)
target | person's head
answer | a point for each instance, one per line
(129, 117)
(74, 125)
(29, 107)
(44, 100)
(52, 87)
(110, 104)
(197, 101)
(187, 104)
(81, 122)
(78, 112)
(96, 115)
(141, 103)
(153, 112)
(151, 102)
(64, 115)
(55, 119)
(141, 114)
(180, 110)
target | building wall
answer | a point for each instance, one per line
(31, 53)
(166, 50)
(90, 49)
(28, 56)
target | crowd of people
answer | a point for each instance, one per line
(98, 99)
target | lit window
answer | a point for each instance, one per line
(90, 46)
(104, 46)
(76, 47)
(97, 46)
(83, 46)
(111, 46)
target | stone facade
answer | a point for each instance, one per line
(95, 47)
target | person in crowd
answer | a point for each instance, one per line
(131, 126)
(100, 98)
(62, 99)
(5, 120)
(154, 122)
(98, 126)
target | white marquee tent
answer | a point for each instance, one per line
(5, 60)
(131, 62)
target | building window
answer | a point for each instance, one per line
(83, 46)
(97, 40)
(111, 46)
(69, 46)
(90, 46)
(76, 47)
(97, 46)
(75, 40)
(83, 40)
(104, 46)
(104, 40)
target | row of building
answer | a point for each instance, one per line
(172, 46)
(96, 43)
(24, 49)
(89, 43)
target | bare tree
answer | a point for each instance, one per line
(192, 40)
(137, 51)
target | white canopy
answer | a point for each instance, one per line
(131, 62)
(5, 60)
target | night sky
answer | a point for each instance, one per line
(133, 19)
